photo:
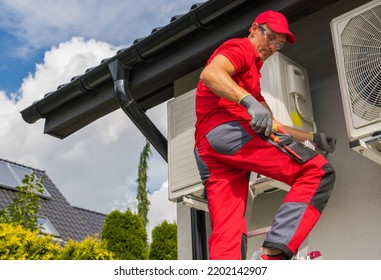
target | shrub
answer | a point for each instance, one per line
(88, 249)
(125, 236)
(18, 243)
(164, 242)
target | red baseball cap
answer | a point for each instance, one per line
(277, 22)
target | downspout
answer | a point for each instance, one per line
(120, 75)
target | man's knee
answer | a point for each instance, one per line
(324, 188)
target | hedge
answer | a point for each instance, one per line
(18, 243)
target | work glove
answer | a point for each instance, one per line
(261, 120)
(324, 142)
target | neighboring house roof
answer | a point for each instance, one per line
(71, 222)
(155, 62)
(94, 220)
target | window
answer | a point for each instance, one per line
(46, 227)
(6, 176)
(11, 176)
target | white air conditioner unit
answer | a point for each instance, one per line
(184, 180)
(284, 84)
(357, 43)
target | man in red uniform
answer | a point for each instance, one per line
(232, 139)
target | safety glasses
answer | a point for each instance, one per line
(271, 38)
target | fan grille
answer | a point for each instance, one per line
(361, 45)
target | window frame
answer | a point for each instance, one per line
(12, 169)
(49, 229)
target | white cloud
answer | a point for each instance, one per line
(41, 23)
(60, 64)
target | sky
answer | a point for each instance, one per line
(43, 45)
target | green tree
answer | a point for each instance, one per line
(24, 207)
(164, 242)
(125, 236)
(142, 197)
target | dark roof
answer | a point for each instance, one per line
(94, 220)
(71, 222)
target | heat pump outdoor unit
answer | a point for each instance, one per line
(285, 87)
(184, 180)
(357, 43)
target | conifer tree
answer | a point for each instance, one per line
(125, 236)
(164, 242)
(142, 197)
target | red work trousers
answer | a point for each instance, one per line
(226, 156)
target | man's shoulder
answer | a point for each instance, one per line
(236, 45)
(243, 41)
